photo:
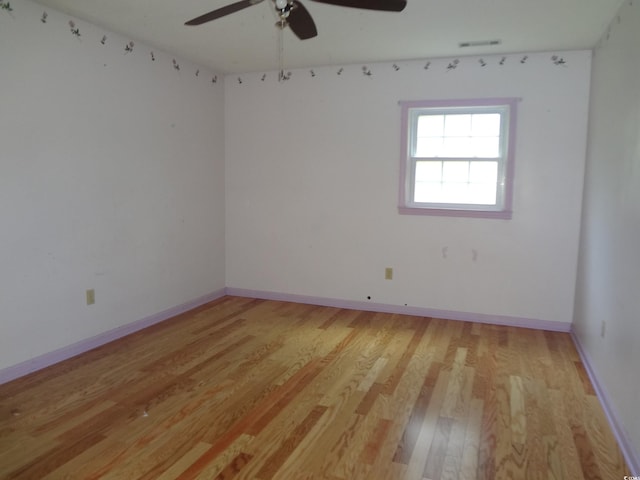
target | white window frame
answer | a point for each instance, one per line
(504, 188)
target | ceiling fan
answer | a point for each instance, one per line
(293, 14)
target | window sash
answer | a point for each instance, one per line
(465, 174)
(465, 187)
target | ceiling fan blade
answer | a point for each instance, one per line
(221, 12)
(383, 5)
(301, 22)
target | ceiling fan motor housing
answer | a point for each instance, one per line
(283, 7)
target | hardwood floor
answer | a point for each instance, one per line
(253, 389)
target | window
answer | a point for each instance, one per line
(457, 157)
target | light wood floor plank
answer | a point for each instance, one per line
(249, 389)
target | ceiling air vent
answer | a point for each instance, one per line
(481, 43)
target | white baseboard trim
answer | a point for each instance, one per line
(404, 309)
(64, 353)
(631, 456)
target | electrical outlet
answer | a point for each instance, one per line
(388, 273)
(91, 296)
(603, 328)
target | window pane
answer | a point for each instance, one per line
(485, 125)
(427, 192)
(454, 192)
(428, 147)
(486, 147)
(483, 172)
(430, 126)
(457, 126)
(429, 172)
(457, 147)
(455, 172)
(480, 194)
(456, 182)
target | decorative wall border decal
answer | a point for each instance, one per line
(617, 20)
(453, 65)
(411, 67)
(72, 24)
(558, 60)
(74, 30)
(365, 71)
(284, 76)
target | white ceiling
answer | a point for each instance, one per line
(247, 41)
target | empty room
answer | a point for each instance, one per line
(319, 239)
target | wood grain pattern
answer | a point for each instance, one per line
(250, 389)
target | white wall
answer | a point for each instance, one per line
(608, 285)
(111, 177)
(312, 184)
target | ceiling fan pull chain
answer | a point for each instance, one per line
(280, 54)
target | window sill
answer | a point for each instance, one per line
(446, 212)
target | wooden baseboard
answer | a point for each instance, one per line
(42, 361)
(47, 359)
(631, 456)
(506, 320)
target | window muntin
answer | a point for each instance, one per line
(458, 157)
